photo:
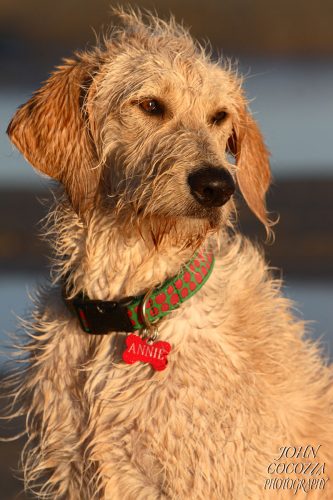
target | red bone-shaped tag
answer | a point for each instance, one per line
(139, 350)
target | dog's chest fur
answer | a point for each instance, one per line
(180, 425)
(182, 432)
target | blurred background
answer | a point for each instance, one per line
(285, 52)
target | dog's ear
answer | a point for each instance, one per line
(52, 131)
(252, 159)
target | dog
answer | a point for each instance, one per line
(163, 361)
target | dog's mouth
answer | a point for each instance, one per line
(195, 214)
(213, 215)
(188, 209)
(191, 210)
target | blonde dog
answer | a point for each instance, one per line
(163, 361)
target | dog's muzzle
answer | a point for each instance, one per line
(211, 186)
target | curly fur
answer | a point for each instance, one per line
(242, 379)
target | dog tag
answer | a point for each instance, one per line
(139, 349)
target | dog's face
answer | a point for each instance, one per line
(164, 135)
(145, 126)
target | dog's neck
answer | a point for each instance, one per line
(109, 261)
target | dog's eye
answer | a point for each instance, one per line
(152, 107)
(219, 117)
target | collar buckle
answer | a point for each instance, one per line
(99, 317)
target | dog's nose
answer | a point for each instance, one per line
(211, 186)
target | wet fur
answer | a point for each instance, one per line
(242, 380)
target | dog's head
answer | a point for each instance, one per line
(145, 125)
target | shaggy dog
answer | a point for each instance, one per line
(140, 132)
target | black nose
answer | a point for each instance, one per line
(211, 186)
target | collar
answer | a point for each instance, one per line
(100, 317)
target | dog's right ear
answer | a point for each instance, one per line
(52, 131)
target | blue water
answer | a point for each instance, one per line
(314, 302)
(291, 99)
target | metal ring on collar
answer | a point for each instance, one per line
(149, 325)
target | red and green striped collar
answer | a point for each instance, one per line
(101, 317)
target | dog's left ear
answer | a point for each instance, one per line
(52, 131)
(252, 159)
